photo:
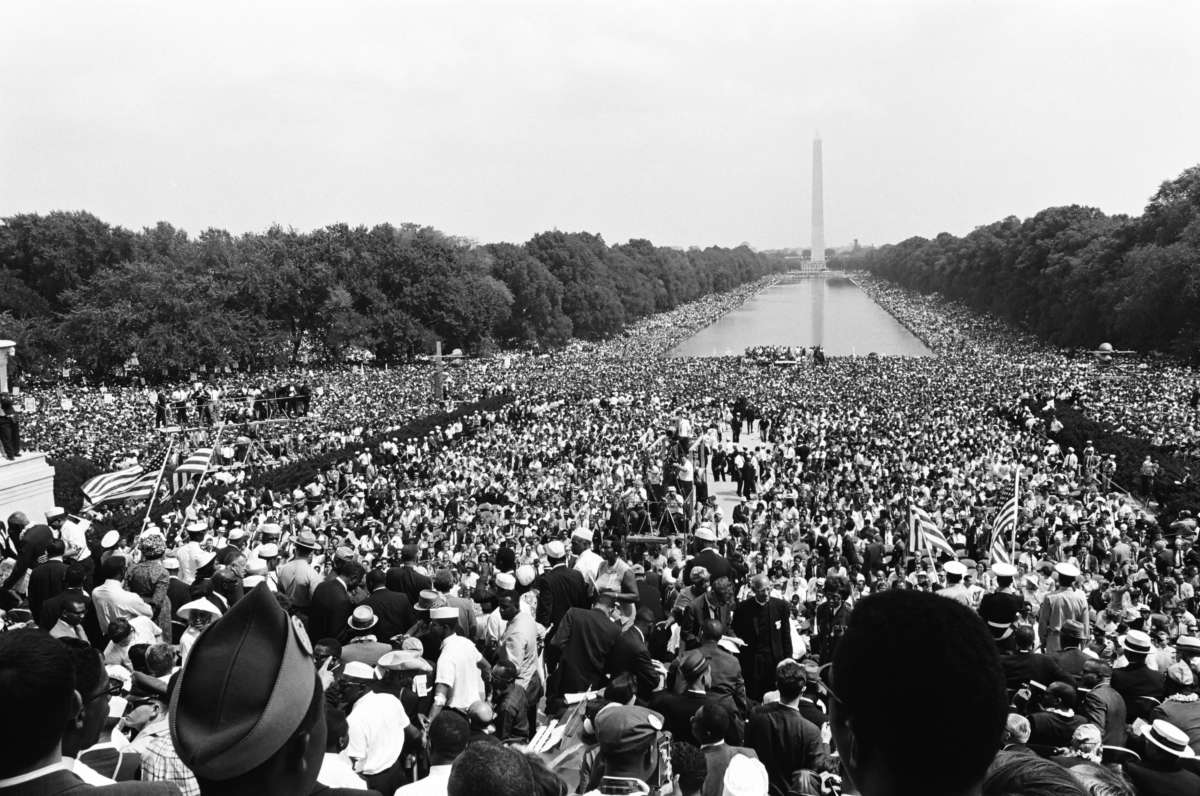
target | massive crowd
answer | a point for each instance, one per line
(556, 596)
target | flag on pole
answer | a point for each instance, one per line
(143, 486)
(1004, 526)
(926, 532)
(107, 486)
(197, 462)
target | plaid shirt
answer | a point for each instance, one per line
(161, 764)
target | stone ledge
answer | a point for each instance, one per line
(26, 485)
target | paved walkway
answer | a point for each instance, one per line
(726, 491)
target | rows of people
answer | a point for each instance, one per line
(520, 582)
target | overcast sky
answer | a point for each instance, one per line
(683, 122)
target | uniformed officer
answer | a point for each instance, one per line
(955, 590)
(1060, 606)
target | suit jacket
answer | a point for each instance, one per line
(1105, 708)
(406, 580)
(718, 566)
(785, 741)
(1157, 782)
(716, 760)
(630, 654)
(1137, 680)
(726, 673)
(1071, 661)
(1021, 667)
(46, 581)
(394, 610)
(331, 607)
(580, 646)
(677, 711)
(766, 629)
(52, 610)
(559, 590)
(1051, 729)
(1184, 715)
(650, 596)
(63, 781)
(32, 547)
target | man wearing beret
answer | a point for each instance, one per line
(247, 712)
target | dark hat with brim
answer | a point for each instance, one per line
(244, 690)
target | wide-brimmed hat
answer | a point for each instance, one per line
(404, 661)
(1168, 737)
(268, 550)
(202, 605)
(1137, 642)
(306, 539)
(362, 619)
(429, 599)
(1188, 645)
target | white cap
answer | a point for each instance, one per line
(444, 612)
(583, 533)
(1066, 570)
(705, 534)
(268, 550)
(526, 574)
(954, 568)
(556, 549)
(197, 527)
(506, 581)
(1002, 570)
(236, 534)
(359, 670)
(170, 563)
(110, 540)
(55, 512)
(745, 776)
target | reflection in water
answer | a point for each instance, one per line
(830, 311)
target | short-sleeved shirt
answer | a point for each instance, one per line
(377, 725)
(458, 668)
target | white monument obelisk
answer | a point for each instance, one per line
(817, 259)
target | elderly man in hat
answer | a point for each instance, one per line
(678, 709)
(359, 642)
(1062, 605)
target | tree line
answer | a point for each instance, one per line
(1072, 275)
(76, 291)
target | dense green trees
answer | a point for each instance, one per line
(1072, 274)
(74, 289)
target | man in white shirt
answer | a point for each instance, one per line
(459, 678)
(587, 561)
(111, 599)
(377, 729)
(449, 735)
(337, 770)
(192, 555)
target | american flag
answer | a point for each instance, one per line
(923, 532)
(197, 462)
(109, 486)
(143, 487)
(1005, 527)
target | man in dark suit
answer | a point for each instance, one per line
(678, 709)
(764, 623)
(392, 608)
(1054, 726)
(405, 578)
(331, 603)
(724, 669)
(179, 594)
(1070, 657)
(1025, 666)
(39, 679)
(873, 552)
(48, 579)
(560, 588)
(783, 739)
(579, 649)
(1139, 685)
(650, 591)
(706, 556)
(73, 591)
(1102, 705)
(709, 726)
(32, 543)
(631, 655)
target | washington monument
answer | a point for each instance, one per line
(817, 258)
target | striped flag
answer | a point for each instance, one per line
(108, 486)
(197, 462)
(924, 531)
(1004, 526)
(143, 486)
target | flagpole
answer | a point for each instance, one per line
(207, 464)
(157, 482)
(1012, 552)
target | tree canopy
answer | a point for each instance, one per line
(75, 289)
